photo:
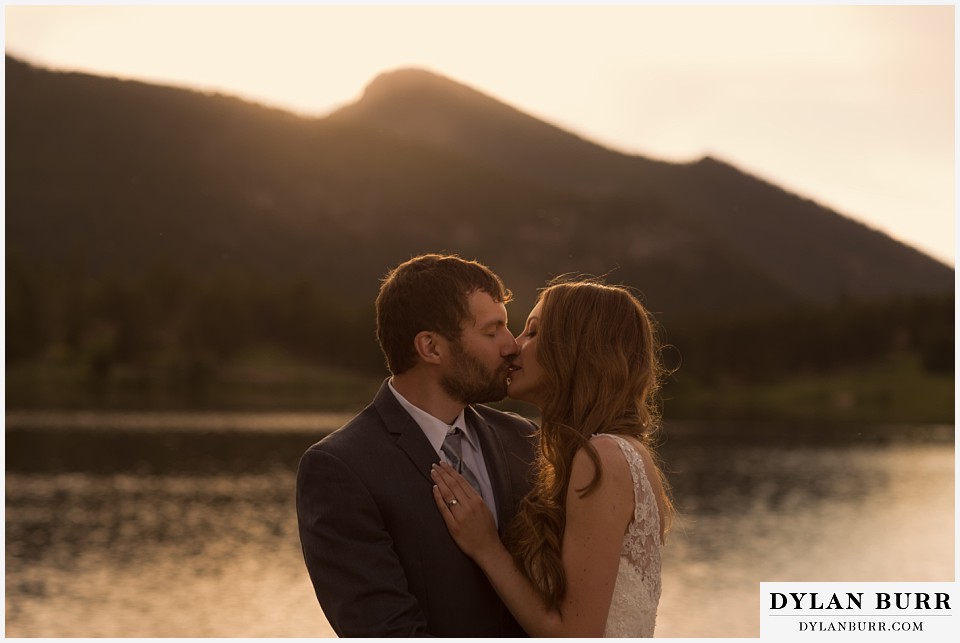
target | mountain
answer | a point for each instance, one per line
(111, 176)
(811, 250)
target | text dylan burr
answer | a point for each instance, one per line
(851, 601)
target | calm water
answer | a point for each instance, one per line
(182, 525)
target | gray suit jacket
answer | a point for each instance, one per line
(378, 552)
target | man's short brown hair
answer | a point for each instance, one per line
(428, 293)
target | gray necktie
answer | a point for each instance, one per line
(453, 449)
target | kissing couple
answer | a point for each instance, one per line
(430, 514)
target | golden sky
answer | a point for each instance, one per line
(852, 106)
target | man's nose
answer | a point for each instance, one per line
(510, 348)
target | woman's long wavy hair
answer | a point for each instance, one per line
(598, 350)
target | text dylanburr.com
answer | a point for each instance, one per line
(859, 611)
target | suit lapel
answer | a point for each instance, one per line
(412, 441)
(410, 437)
(496, 460)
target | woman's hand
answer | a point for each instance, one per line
(466, 514)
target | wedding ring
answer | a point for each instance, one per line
(450, 503)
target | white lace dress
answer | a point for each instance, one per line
(633, 610)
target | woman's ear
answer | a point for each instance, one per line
(427, 346)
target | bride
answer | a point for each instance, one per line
(582, 557)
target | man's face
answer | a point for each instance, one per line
(478, 363)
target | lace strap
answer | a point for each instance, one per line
(641, 484)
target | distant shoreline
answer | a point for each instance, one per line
(319, 423)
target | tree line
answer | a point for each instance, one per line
(177, 324)
(757, 347)
(181, 328)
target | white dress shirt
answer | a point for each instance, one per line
(436, 431)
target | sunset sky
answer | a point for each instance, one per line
(852, 106)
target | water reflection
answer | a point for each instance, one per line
(776, 479)
(126, 555)
(193, 532)
(841, 513)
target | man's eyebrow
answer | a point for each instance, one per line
(494, 322)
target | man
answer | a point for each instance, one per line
(380, 557)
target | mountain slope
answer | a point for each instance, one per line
(117, 176)
(811, 250)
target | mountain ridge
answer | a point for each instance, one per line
(439, 108)
(132, 174)
(767, 236)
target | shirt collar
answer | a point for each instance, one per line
(434, 428)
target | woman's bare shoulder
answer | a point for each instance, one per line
(614, 468)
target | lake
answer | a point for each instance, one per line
(182, 525)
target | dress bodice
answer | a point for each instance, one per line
(633, 610)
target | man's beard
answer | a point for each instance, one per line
(471, 382)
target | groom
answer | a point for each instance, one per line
(380, 557)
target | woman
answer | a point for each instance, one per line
(583, 555)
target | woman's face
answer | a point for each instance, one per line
(526, 375)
